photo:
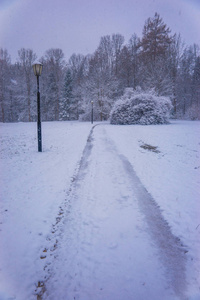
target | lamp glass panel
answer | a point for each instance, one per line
(37, 68)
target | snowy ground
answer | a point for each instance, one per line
(97, 216)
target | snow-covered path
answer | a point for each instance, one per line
(112, 242)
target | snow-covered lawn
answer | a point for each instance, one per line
(33, 186)
(38, 215)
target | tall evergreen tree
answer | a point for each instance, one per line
(54, 62)
(154, 50)
(67, 105)
(156, 38)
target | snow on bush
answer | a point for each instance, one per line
(140, 108)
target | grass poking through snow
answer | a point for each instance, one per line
(150, 148)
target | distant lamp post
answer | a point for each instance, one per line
(92, 112)
(37, 68)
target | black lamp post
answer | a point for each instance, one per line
(92, 112)
(37, 68)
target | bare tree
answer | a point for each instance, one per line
(117, 43)
(4, 81)
(26, 60)
(126, 75)
(173, 62)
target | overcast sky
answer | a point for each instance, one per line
(75, 26)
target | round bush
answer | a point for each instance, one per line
(143, 108)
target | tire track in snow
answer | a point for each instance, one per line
(172, 252)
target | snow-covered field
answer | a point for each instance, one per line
(97, 216)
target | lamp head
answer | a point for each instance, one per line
(37, 68)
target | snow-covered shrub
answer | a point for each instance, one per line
(141, 108)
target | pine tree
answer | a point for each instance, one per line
(156, 39)
(55, 63)
(67, 105)
(134, 49)
(155, 45)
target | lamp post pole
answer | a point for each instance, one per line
(92, 112)
(37, 68)
(39, 128)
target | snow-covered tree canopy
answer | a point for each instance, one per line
(139, 107)
(157, 60)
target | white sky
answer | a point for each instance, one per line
(76, 26)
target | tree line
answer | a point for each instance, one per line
(157, 61)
